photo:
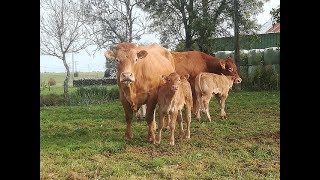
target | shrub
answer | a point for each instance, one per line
(93, 95)
(255, 56)
(53, 100)
(51, 82)
(95, 81)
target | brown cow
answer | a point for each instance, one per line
(139, 75)
(209, 84)
(173, 95)
(195, 62)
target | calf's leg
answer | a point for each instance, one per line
(173, 126)
(161, 121)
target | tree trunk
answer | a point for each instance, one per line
(204, 32)
(188, 38)
(66, 81)
(236, 37)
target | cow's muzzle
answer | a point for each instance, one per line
(127, 78)
(237, 80)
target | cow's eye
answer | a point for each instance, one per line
(117, 60)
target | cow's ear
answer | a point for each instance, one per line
(141, 54)
(229, 59)
(223, 64)
(109, 54)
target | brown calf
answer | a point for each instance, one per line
(209, 84)
(173, 95)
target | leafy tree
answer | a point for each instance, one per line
(62, 31)
(275, 12)
(198, 21)
(114, 21)
(173, 19)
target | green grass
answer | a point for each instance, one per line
(59, 78)
(87, 142)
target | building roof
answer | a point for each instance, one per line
(274, 28)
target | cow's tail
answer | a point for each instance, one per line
(199, 85)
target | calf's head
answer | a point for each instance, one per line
(173, 81)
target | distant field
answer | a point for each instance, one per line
(86, 142)
(59, 78)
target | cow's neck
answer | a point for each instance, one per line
(214, 66)
(130, 94)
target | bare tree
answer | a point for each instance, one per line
(114, 21)
(62, 31)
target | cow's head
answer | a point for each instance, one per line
(173, 80)
(127, 57)
(229, 68)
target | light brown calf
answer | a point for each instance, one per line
(173, 95)
(209, 84)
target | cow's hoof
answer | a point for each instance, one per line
(223, 117)
(128, 136)
(172, 143)
(151, 141)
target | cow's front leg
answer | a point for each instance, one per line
(151, 105)
(223, 114)
(128, 116)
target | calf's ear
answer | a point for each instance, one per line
(186, 76)
(141, 54)
(109, 54)
(164, 78)
(223, 64)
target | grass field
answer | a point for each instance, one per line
(59, 78)
(86, 142)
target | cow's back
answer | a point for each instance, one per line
(189, 62)
(149, 70)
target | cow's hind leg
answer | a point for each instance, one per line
(188, 121)
(206, 101)
(199, 107)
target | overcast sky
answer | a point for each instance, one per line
(86, 63)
